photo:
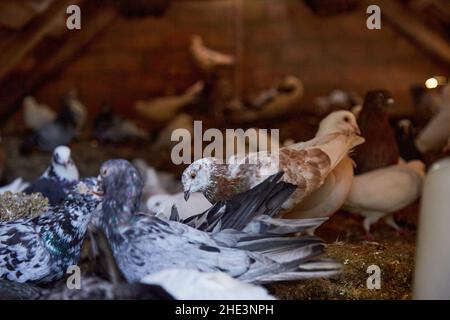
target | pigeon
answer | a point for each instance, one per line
(327, 199)
(110, 128)
(164, 138)
(72, 102)
(379, 193)
(208, 60)
(306, 165)
(380, 148)
(58, 178)
(337, 100)
(61, 131)
(36, 115)
(161, 204)
(18, 185)
(272, 103)
(252, 211)
(165, 108)
(143, 245)
(426, 104)
(94, 288)
(405, 133)
(434, 135)
(91, 287)
(169, 284)
(195, 285)
(39, 250)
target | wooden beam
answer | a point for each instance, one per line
(28, 38)
(414, 30)
(95, 20)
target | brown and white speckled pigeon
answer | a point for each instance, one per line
(305, 165)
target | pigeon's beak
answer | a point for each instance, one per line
(356, 129)
(99, 190)
(187, 194)
(390, 101)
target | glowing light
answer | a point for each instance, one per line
(431, 83)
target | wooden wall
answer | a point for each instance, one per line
(135, 59)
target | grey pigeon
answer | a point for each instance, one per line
(61, 131)
(144, 245)
(91, 287)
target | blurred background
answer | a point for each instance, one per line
(138, 69)
(131, 50)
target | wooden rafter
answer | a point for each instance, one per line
(25, 41)
(93, 22)
(415, 31)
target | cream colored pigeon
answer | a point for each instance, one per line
(327, 199)
(379, 193)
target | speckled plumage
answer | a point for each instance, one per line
(144, 245)
(40, 249)
(59, 178)
(91, 288)
(306, 165)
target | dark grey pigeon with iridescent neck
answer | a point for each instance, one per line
(59, 178)
(39, 250)
(144, 245)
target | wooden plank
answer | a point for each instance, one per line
(27, 39)
(94, 21)
(415, 31)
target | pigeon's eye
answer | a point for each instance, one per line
(193, 175)
(346, 119)
(158, 204)
(104, 172)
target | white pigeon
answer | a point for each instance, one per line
(36, 115)
(77, 107)
(18, 185)
(327, 199)
(435, 134)
(161, 205)
(379, 193)
(62, 165)
(194, 285)
(165, 108)
(208, 59)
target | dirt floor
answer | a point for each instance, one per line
(393, 253)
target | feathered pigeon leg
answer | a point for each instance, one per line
(390, 221)
(367, 223)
